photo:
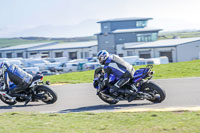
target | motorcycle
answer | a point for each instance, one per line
(37, 90)
(140, 86)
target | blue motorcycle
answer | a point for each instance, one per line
(140, 86)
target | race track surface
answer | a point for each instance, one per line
(183, 92)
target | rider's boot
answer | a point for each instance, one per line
(113, 91)
(133, 93)
(132, 96)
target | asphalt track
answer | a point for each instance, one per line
(180, 93)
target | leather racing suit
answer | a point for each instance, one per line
(121, 69)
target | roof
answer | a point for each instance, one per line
(69, 45)
(25, 46)
(124, 19)
(160, 43)
(135, 30)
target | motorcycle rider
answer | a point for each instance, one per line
(115, 65)
(20, 78)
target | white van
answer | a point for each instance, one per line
(131, 59)
(70, 67)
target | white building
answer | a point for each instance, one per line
(20, 51)
(177, 50)
(71, 50)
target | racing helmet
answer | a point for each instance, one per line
(102, 56)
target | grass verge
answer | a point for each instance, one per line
(6, 42)
(163, 71)
(145, 122)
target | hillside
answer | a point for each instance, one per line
(5, 42)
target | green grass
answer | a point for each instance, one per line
(146, 122)
(74, 77)
(179, 34)
(5, 42)
(163, 71)
(177, 70)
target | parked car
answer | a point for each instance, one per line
(91, 65)
(16, 62)
(32, 70)
(131, 59)
(60, 60)
(55, 67)
(47, 72)
(93, 59)
(78, 61)
(3, 59)
(70, 67)
(41, 63)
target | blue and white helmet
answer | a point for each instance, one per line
(102, 56)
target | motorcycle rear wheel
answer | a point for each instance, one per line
(7, 101)
(107, 99)
(51, 96)
(158, 94)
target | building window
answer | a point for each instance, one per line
(86, 54)
(0, 55)
(141, 23)
(82, 55)
(154, 36)
(33, 53)
(72, 55)
(145, 54)
(45, 54)
(121, 55)
(129, 53)
(9, 55)
(58, 54)
(147, 37)
(19, 54)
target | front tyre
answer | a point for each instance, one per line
(107, 99)
(157, 94)
(49, 95)
(7, 101)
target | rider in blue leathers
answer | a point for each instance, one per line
(11, 74)
(115, 65)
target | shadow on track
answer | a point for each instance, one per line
(102, 107)
(19, 106)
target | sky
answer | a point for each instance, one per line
(18, 16)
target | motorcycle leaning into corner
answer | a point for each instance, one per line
(28, 88)
(140, 86)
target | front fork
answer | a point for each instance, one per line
(4, 94)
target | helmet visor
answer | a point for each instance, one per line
(101, 59)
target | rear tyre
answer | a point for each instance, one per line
(7, 101)
(49, 94)
(107, 99)
(158, 94)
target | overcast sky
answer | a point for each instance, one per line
(167, 14)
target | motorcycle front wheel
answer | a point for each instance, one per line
(107, 99)
(7, 100)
